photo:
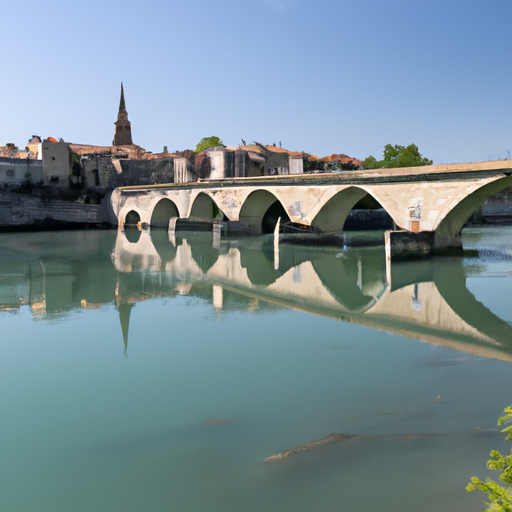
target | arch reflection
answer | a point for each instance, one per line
(426, 300)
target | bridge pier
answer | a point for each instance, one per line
(408, 245)
(447, 245)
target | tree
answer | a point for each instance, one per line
(500, 496)
(370, 162)
(11, 148)
(397, 156)
(312, 163)
(209, 142)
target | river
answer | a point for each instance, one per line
(142, 371)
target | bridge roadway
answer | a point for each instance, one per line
(429, 205)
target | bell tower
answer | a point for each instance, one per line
(123, 130)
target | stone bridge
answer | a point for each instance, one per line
(429, 205)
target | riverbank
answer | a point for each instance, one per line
(21, 211)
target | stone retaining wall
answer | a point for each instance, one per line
(24, 210)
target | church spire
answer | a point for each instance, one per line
(123, 130)
(122, 106)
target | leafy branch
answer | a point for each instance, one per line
(500, 496)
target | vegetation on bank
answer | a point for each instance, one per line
(500, 496)
(397, 156)
(208, 142)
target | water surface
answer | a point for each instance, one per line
(142, 372)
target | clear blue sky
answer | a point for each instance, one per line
(327, 76)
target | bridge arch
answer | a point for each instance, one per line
(448, 232)
(132, 218)
(162, 212)
(333, 214)
(131, 221)
(260, 211)
(204, 207)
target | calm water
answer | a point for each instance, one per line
(139, 372)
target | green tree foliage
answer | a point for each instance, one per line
(310, 163)
(370, 162)
(11, 148)
(500, 496)
(397, 156)
(208, 142)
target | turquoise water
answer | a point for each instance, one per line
(148, 373)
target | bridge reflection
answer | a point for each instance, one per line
(425, 300)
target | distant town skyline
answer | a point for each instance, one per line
(329, 77)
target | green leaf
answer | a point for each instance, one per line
(500, 496)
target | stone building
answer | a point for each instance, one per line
(98, 169)
(246, 161)
(16, 172)
(57, 167)
(34, 147)
(20, 168)
(103, 172)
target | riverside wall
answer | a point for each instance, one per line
(55, 206)
(27, 211)
(496, 209)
